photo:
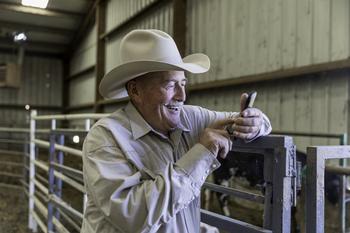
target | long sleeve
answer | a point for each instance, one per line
(133, 200)
(205, 117)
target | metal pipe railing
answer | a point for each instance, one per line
(235, 192)
(93, 116)
(45, 144)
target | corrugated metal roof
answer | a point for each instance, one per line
(54, 27)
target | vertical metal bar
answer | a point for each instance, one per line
(53, 124)
(314, 192)
(268, 205)
(282, 191)
(58, 181)
(343, 186)
(50, 205)
(32, 224)
(87, 128)
(25, 157)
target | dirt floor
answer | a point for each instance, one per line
(13, 211)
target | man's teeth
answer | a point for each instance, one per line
(173, 108)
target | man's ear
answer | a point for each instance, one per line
(133, 91)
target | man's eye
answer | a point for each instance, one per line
(169, 87)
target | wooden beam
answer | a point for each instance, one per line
(35, 28)
(100, 53)
(280, 74)
(38, 11)
(151, 8)
(179, 24)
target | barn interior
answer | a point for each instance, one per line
(294, 54)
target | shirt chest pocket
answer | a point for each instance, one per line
(151, 162)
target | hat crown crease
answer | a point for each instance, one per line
(149, 46)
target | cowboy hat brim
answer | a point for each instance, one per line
(113, 83)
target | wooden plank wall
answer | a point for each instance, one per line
(245, 37)
(161, 19)
(313, 103)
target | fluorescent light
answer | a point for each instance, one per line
(35, 3)
(27, 107)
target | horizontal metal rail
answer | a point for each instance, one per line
(92, 116)
(44, 212)
(12, 152)
(14, 130)
(63, 177)
(70, 181)
(73, 173)
(69, 210)
(14, 141)
(307, 134)
(24, 184)
(41, 186)
(229, 224)
(13, 164)
(38, 220)
(80, 132)
(46, 144)
(10, 174)
(41, 164)
(338, 170)
(69, 220)
(41, 178)
(235, 192)
(12, 186)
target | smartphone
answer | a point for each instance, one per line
(250, 100)
(248, 104)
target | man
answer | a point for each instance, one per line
(145, 164)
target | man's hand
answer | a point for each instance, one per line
(249, 122)
(216, 139)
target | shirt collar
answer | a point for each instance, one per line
(140, 127)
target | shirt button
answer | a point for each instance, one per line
(192, 198)
(214, 166)
(193, 184)
(203, 178)
(207, 172)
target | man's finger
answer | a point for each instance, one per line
(248, 121)
(251, 112)
(245, 129)
(245, 136)
(220, 124)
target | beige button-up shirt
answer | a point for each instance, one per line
(140, 181)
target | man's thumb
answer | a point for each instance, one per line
(244, 98)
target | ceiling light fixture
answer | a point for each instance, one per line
(19, 37)
(35, 3)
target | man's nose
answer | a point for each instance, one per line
(180, 94)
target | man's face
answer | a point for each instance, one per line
(160, 96)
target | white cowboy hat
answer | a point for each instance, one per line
(144, 51)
